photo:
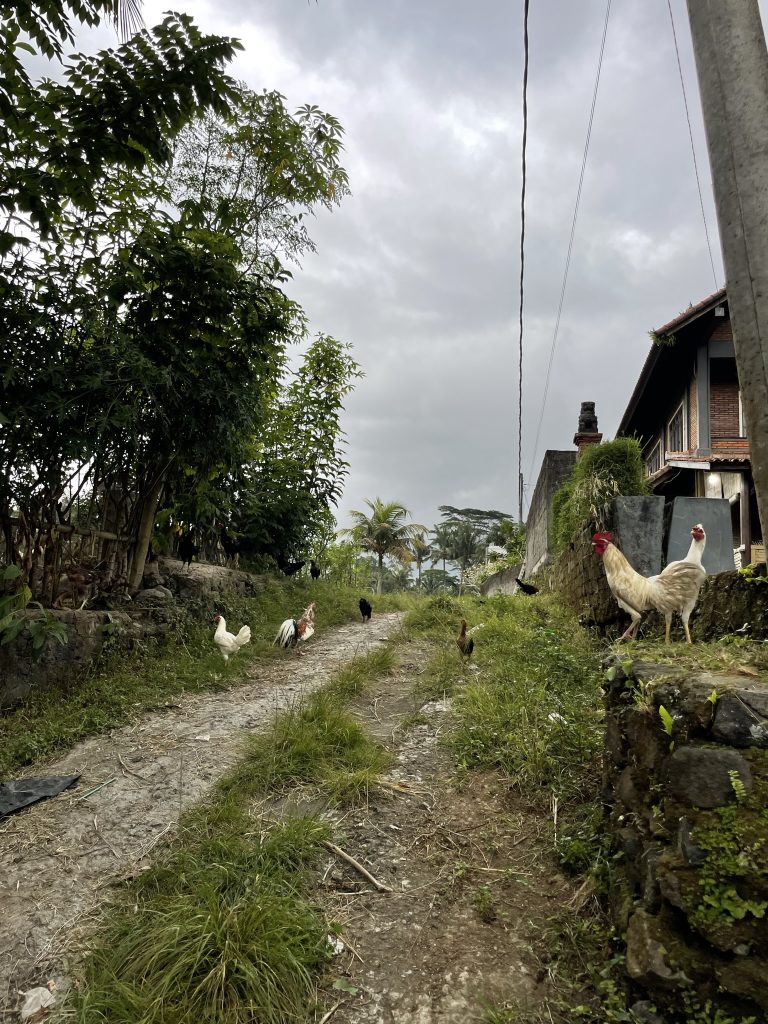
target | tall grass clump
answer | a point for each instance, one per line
(531, 708)
(603, 472)
(220, 931)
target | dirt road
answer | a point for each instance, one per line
(58, 858)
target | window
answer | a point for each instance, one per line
(653, 460)
(676, 430)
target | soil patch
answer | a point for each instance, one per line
(469, 865)
(59, 858)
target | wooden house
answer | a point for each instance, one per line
(686, 411)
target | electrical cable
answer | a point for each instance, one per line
(693, 148)
(522, 269)
(570, 240)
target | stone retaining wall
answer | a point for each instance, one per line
(171, 596)
(689, 882)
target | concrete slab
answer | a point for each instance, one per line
(638, 525)
(714, 514)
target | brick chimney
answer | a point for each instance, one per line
(587, 434)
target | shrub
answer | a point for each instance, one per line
(604, 472)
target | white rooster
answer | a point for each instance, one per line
(675, 589)
(294, 631)
(228, 643)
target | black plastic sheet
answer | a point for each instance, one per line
(21, 793)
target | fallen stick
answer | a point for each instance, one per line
(327, 1016)
(130, 770)
(357, 866)
(95, 789)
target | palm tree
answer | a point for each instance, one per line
(442, 543)
(126, 16)
(384, 532)
(468, 546)
(421, 551)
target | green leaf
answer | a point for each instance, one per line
(342, 985)
(667, 720)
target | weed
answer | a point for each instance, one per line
(484, 904)
(315, 742)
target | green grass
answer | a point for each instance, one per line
(222, 929)
(534, 662)
(124, 685)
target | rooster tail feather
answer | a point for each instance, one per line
(244, 636)
(286, 633)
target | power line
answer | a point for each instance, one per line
(693, 148)
(522, 271)
(570, 240)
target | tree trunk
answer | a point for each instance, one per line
(146, 525)
(732, 64)
(381, 570)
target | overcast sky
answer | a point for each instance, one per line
(419, 267)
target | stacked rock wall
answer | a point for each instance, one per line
(172, 595)
(686, 780)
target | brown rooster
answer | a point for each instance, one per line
(465, 643)
(675, 589)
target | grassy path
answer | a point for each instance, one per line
(59, 858)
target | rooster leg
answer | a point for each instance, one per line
(668, 624)
(687, 630)
(629, 632)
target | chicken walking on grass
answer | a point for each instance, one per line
(465, 643)
(675, 589)
(365, 609)
(227, 643)
(296, 631)
(526, 588)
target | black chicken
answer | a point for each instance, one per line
(187, 549)
(365, 609)
(527, 588)
(288, 568)
(231, 547)
(314, 570)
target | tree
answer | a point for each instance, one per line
(384, 532)
(468, 547)
(442, 544)
(437, 581)
(257, 173)
(421, 551)
(79, 158)
(296, 470)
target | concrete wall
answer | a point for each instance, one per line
(688, 885)
(501, 582)
(556, 467)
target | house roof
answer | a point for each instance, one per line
(692, 312)
(657, 351)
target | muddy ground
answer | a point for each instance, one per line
(464, 857)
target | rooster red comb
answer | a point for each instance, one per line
(603, 535)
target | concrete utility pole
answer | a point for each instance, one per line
(732, 65)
